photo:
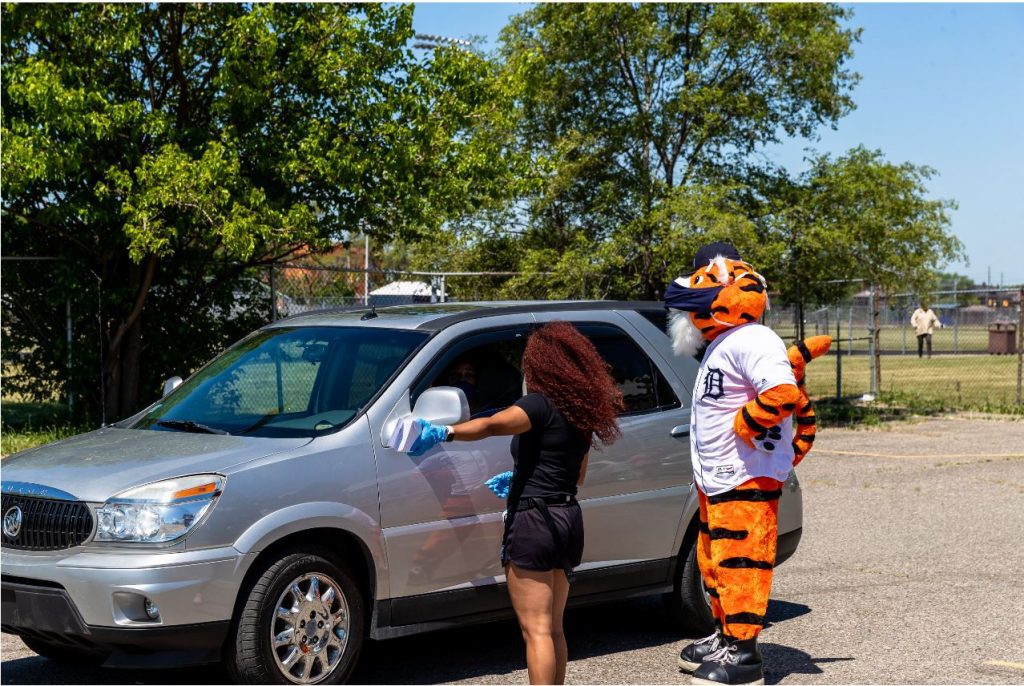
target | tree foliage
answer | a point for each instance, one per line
(647, 116)
(167, 148)
(872, 219)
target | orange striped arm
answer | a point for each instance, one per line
(765, 411)
(803, 420)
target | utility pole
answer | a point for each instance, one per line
(426, 41)
(366, 269)
(1020, 345)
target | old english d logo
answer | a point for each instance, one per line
(12, 522)
(713, 384)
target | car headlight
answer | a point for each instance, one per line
(158, 512)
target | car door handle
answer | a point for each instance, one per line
(681, 430)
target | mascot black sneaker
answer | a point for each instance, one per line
(693, 655)
(737, 662)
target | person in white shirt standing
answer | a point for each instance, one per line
(742, 449)
(924, 322)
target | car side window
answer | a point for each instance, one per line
(644, 388)
(487, 367)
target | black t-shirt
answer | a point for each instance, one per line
(548, 456)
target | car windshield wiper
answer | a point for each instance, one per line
(190, 426)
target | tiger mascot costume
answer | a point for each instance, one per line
(743, 445)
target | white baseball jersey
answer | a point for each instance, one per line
(737, 366)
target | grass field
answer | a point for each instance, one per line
(24, 425)
(966, 339)
(956, 381)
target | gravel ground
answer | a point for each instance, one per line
(910, 554)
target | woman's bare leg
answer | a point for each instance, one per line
(532, 594)
(557, 631)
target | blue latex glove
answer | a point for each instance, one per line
(430, 435)
(499, 483)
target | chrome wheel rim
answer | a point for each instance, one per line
(704, 592)
(309, 632)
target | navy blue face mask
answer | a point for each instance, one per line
(696, 300)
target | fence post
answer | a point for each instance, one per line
(444, 296)
(849, 332)
(103, 368)
(839, 360)
(366, 270)
(1020, 344)
(903, 325)
(273, 295)
(956, 317)
(71, 397)
(873, 330)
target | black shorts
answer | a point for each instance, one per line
(530, 544)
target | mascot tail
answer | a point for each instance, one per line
(804, 425)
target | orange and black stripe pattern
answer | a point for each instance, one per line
(742, 300)
(804, 422)
(736, 553)
(768, 409)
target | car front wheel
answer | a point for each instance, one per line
(688, 604)
(301, 623)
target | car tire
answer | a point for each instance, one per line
(58, 652)
(287, 629)
(688, 605)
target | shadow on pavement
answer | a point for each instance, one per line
(495, 649)
(469, 652)
(39, 670)
(781, 661)
(781, 610)
(439, 657)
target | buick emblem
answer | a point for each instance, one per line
(12, 522)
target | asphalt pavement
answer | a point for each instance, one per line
(908, 572)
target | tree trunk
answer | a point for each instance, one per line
(875, 333)
(122, 369)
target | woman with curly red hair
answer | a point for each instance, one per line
(571, 405)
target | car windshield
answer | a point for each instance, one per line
(286, 382)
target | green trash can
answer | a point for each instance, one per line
(1002, 338)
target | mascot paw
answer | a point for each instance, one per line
(767, 441)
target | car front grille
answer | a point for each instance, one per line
(46, 524)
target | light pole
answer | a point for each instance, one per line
(426, 41)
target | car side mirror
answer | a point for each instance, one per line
(170, 385)
(442, 405)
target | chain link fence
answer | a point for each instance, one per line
(975, 356)
(976, 360)
(297, 287)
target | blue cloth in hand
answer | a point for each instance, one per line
(430, 435)
(500, 483)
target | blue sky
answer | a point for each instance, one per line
(941, 85)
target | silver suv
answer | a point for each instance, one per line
(257, 514)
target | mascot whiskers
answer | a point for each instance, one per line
(751, 423)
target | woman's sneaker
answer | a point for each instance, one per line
(736, 662)
(693, 655)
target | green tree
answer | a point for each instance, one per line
(648, 118)
(872, 219)
(164, 150)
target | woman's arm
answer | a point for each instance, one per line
(583, 469)
(508, 422)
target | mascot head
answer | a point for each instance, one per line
(722, 292)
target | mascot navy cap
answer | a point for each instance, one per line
(712, 250)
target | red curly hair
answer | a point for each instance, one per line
(564, 366)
